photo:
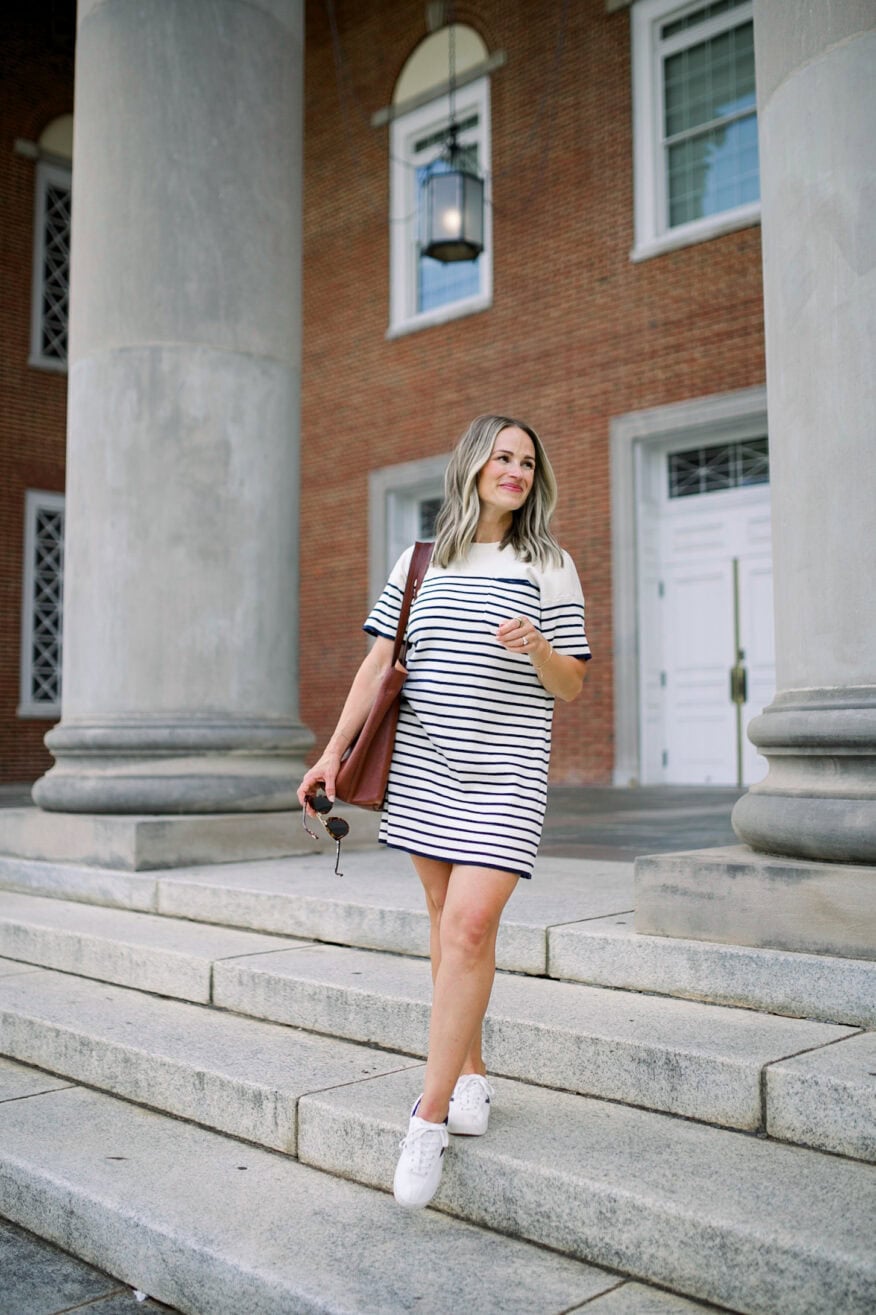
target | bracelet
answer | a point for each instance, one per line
(546, 661)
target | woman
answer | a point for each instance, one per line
(495, 635)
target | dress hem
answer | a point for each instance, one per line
(468, 862)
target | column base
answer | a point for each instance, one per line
(735, 896)
(141, 765)
(138, 844)
(819, 799)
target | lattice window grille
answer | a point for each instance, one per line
(51, 267)
(719, 467)
(42, 637)
(56, 273)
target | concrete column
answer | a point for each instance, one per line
(180, 628)
(816, 74)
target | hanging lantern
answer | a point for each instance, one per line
(452, 209)
(453, 216)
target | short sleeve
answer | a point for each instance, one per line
(562, 610)
(382, 620)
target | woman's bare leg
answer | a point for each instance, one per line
(467, 927)
(435, 877)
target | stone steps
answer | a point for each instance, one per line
(717, 1216)
(215, 1227)
(729, 1067)
(164, 955)
(573, 923)
(377, 905)
(311, 1048)
(232, 1074)
(608, 952)
(700, 1061)
(243, 1076)
(722, 1216)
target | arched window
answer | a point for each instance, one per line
(425, 291)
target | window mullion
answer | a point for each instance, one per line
(708, 125)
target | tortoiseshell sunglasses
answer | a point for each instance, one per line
(337, 827)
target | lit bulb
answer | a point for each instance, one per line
(451, 220)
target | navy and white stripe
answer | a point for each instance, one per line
(469, 774)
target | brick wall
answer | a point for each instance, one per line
(577, 333)
(36, 72)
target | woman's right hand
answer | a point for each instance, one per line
(355, 710)
(322, 773)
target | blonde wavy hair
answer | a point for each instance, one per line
(457, 523)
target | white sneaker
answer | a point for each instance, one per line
(470, 1106)
(418, 1172)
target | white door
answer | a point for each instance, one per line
(705, 597)
(704, 600)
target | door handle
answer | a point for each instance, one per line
(739, 682)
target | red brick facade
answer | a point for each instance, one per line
(577, 332)
(37, 79)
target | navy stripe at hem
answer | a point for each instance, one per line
(469, 862)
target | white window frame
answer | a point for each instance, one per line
(35, 502)
(405, 132)
(652, 233)
(47, 174)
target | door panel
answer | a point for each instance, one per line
(699, 718)
(700, 537)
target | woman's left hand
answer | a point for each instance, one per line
(519, 635)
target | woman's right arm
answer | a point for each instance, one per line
(353, 715)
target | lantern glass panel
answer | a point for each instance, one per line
(473, 210)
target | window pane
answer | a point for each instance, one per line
(699, 16)
(438, 283)
(718, 468)
(428, 514)
(709, 81)
(713, 172)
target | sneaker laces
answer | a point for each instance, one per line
(424, 1144)
(471, 1091)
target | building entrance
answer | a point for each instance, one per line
(706, 615)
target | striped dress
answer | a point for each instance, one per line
(468, 782)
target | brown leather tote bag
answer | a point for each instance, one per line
(364, 770)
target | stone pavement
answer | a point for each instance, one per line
(38, 1279)
(582, 822)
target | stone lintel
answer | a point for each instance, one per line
(736, 896)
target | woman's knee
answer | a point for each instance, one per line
(468, 931)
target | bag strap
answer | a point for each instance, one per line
(420, 559)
